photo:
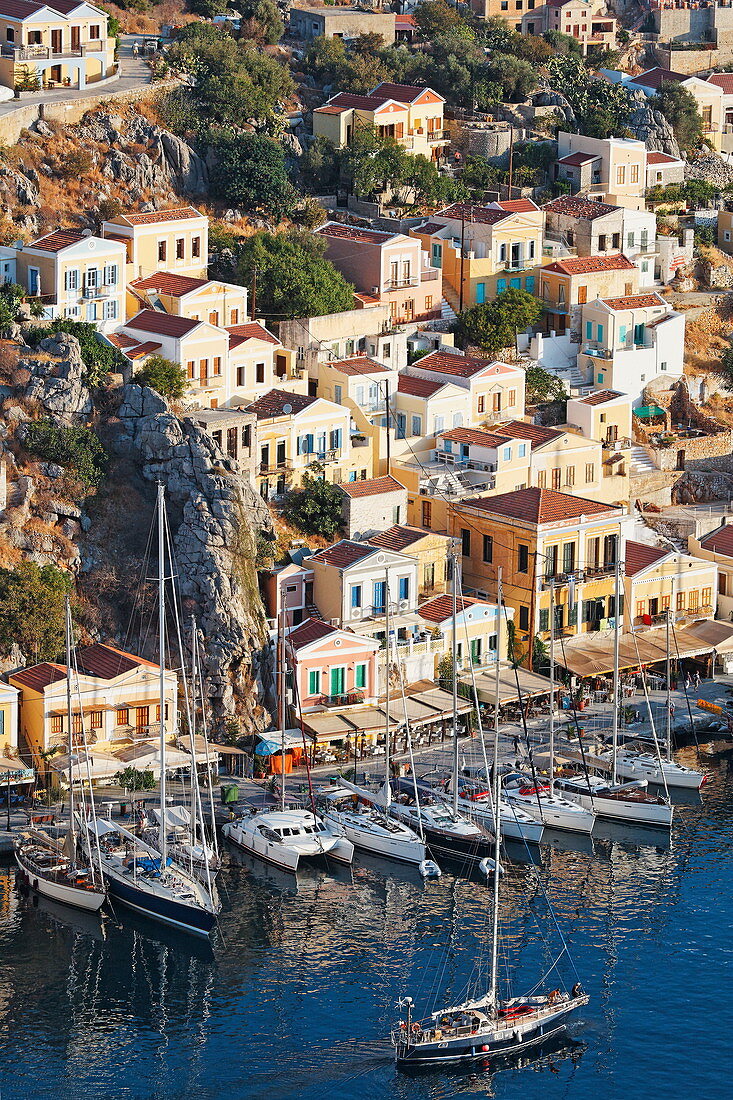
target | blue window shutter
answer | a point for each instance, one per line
(500, 286)
(529, 284)
(480, 293)
(404, 588)
(600, 331)
(600, 379)
(622, 334)
(589, 330)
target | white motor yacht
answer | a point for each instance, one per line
(554, 811)
(367, 828)
(285, 837)
(631, 764)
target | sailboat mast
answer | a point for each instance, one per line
(454, 661)
(68, 714)
(552, 685)
(388, 785)
(616, 639)
(669, 685)
(281, 701)
(163, 839)
(493, 989)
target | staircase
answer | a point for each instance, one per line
(451, 299)
(641, 463)
(447, 313)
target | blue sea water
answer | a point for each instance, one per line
(297, 995)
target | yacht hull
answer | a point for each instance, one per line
(511, 828)
(453, 847)
(75, 896)
(187, 918)
(405, 851)
(653, 773)
(286, 856)
(554, 815)
(617, 809)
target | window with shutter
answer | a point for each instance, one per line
(544, 619)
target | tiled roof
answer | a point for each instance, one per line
(634, 301)
(139, 351)
(38, 677)
(720, 540)
(60, 238)
(576, 207)
(428, 228)
(373, 486)
(398, 537)
(239, 334)
(600, 397)
(168, 282)
(537, 434)
(355, 233)
(440, 608)
(723, 80)
(356, 365)
(486, 215)
(664, 158)
(587, 265)
(652, 78)
(107, 662)
(639, 555)
(473, 435)
(418, 387)
(19, 9)
(344, 553)
(403, 93)
(310, 630)
(462, 366)
(177, 214)
(539, 506)
(274, 402)
(161, 324)
(576, 160)
(342, 101)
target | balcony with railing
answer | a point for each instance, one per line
(429, 274)
(401, 284)
(345, 699)
(266, 468)
(37, 52)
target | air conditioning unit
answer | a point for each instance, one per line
(375, 290)
(335, 622)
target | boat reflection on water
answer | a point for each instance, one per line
(82, 921)
(308, 877)
(478, 1075)
(634, 836)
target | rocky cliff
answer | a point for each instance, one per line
(214, 513)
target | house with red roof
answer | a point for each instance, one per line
(372, 505)
(352, 582)
(385, 267)
(174, 240)
(76, 275)
(115, 702)
(65, 44)
(612, 170)
(495, 389)
(717, 546)
(476, 628)
(568, 284)
(413, 116)
(501, 244)
(660, 579)
(331, 667)
(708, 92)
(221, 304)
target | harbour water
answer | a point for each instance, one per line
(297, 994)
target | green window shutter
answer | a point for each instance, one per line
(360, 678)
(314, 682)
(544, 619)
(573, 615)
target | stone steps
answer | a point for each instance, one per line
(641, 462)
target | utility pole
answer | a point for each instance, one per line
(463, 238)
(254, 294)
(511, 158)
(389, 442)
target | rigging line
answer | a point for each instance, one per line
(523, 715)
(576, 724)
(205, 731)
(301, 722)
(684, 688)
(651, 717)
(408, 730)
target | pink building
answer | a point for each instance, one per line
(331, 667)
(289, 589)
(386, 267)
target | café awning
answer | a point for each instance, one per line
(512, 684)
(592, 654)
(648, 412)
(424, 704)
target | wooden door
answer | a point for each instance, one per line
(56, 41)
(76, 38)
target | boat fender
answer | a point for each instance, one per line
(35, 883)
(485, 1048)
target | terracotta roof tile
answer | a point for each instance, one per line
(440, 608)
(239, 334)
(38, 677)
(356, 365)
(462, 366)
(310, 630)
(107, 661)
(403, 93)
(600, 397)
(575, 207)
(634, 301)
(418, 387)
(344, 553)
(168, 282)
(720, 540)
(517, 206)
(664, 158)
(587, 265)
(537, 434)
(398, 537)
(486, 215)
(161, 324)
(723, 80)
(60, 238)
(355, 233)
(373, 486)
(473, 435)
(575, 160)
(273, 404)
(639, 555)
(176, 214)
(652, 78)
(538, 506)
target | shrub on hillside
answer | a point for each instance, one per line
(76, 449)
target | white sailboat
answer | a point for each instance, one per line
(51, 867)
(139, 875)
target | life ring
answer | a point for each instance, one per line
(416, 1029)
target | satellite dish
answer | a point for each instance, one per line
(287, 408)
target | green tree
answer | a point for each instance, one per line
(294, 279)
(516, 78)
(314, 508)
(541, 386)
(494, 325)
(435, 17)
(132, 779)
(166, 378)
(601, 109)
(250, 172)
(264, 21)
(563, 43)
(207, 9)
(32, 609)
(77, 449)
(679, 107)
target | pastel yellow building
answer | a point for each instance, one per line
(120, 702)
(495, 390)
(429, 549)
(175, 240)
(717, 546)
(63, 45)
(566, 285)
(8, 719)
(483, 250)
(221, 304)
(298, 434)
(659, 579)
